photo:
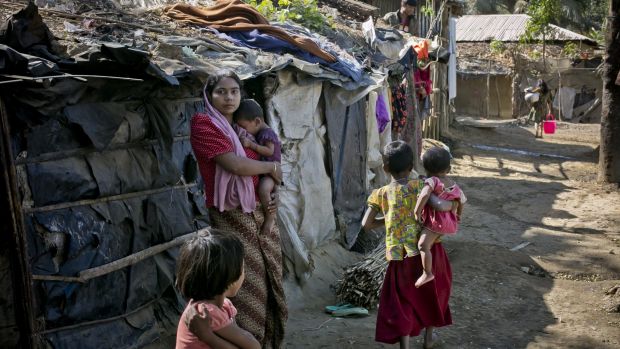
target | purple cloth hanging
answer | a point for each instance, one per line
(383, 116)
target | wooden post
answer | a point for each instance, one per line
(15, 237)
(413, 117)
(559, 116)
(488, 109)
(609, 165)
(499, 100)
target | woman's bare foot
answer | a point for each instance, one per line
(424, 279)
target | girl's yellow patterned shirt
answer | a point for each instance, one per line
(397, 203)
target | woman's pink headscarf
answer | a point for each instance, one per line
(231, 191)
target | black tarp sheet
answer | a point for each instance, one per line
(102, 232)
(346, 129)
(107, 141)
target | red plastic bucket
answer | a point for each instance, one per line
(549, 124)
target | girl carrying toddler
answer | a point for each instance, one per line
(405, 310)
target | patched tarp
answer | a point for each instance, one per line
(122, 145)
(346, 129)
(306, 214)
(137, 154)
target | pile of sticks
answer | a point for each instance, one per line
(361, 282)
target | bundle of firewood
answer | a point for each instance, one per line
(361, 282)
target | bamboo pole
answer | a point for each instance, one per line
(85, 151)
(105, 199)
(14, 236)
(20, 78)
(488, 99)
(100, 321)
(124, 262)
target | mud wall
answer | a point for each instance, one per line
(472, 96)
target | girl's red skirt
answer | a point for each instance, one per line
(405, 310)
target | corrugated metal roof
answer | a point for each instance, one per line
(507, 28)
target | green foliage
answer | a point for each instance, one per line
(542, 13)
(304, 12)
(535, 55)
(427, 10)
(570, 50)
(497, 47)
(597, 35)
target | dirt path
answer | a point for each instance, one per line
(548, 200)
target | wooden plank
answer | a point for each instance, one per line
(107, 198)
(121, 263)
(20, 269)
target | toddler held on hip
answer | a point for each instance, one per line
(404, 310)
(436, 162)
(209, 270)
(262, 139)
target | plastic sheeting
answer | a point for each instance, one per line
(138, 303)
(452, 66)
(381, 178)
(306, 214)
(346, 128)
(9, 333)
(373, 142)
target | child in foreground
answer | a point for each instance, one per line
(405, 310)
(209, 270)
(436, 162)
(250, 117)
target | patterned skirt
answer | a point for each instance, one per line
(260, 302)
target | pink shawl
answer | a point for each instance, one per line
(230, 191)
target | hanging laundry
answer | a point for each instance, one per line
(399, 107)
(383, 115)
(423, 80)
(421, 48)
(235, 16)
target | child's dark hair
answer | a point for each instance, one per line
(208, 264)
(398, 157)
(214, 79)
(436, 160)
(542, 85)
(248, 110)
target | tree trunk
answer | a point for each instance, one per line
(609, 164)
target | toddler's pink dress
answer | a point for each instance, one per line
(442, 222)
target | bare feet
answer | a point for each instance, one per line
(424, 279)
(430, 343)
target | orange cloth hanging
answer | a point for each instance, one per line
(421, 48)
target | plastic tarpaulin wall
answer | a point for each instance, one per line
(107, 179)
(306, 214)
(9, 334)
(346, 129)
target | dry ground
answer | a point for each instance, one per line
(550, 200)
